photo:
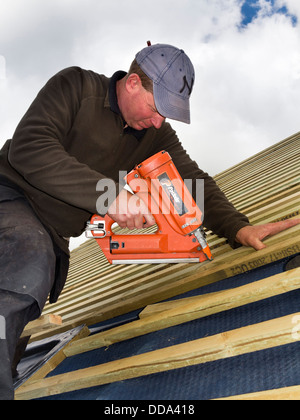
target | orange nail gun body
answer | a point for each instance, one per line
(179, 236)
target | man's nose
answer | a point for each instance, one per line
(157, 121)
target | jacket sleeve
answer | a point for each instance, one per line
(37, 151)
(220, 215)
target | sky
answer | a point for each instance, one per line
(246, 55)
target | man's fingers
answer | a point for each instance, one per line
(271, 229)
(149, 220)
(278, 227)
(257, 244)
(254, 235)
(144, 218)
(130, 211)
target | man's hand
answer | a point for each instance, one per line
(129, 211)
(254, 235)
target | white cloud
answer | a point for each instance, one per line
(247, 85)
(248, 90)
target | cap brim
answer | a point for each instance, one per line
(170, 105)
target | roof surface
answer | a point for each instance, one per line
(229, 357)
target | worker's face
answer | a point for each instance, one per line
(139, 110)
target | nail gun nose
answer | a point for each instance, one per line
(200, 235)
(207, 252)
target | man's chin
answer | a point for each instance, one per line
(138, 127)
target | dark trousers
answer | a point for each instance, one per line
(16, 311)
(27, 273)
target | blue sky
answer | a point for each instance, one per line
(251, 8)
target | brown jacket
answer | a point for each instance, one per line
(72, 136)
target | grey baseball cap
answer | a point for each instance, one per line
(173, 77)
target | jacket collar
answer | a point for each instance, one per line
(112, 91)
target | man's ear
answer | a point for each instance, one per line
(133, 83)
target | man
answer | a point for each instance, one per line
(84, 127)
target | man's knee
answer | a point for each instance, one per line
(28, 261)
(34, 241)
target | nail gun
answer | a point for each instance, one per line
(179, 236)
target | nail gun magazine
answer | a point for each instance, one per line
(179, 236)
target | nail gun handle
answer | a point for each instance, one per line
(161, 187)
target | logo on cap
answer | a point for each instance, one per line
(186, 85)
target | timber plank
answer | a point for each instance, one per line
(43, 323)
